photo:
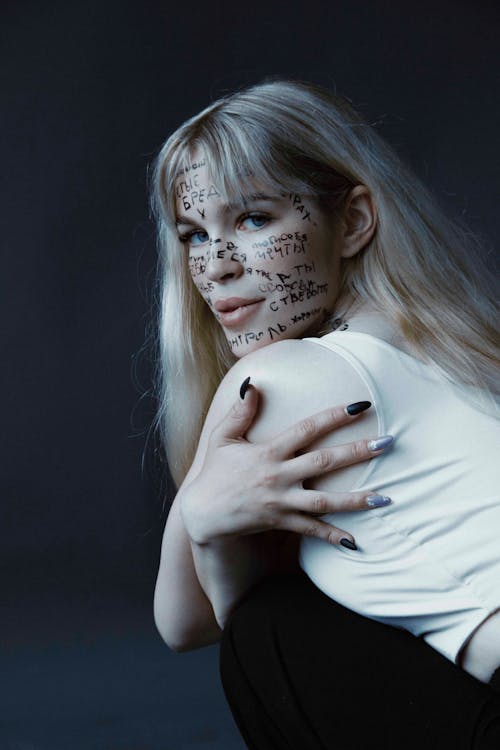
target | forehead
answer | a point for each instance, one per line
(195, 176)
(192, 164)
(195, 189)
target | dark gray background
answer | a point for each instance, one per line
(90, 90)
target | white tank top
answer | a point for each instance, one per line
(430, 562)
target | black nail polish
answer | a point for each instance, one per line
(348, 544)
(358, 407)
(244, 388)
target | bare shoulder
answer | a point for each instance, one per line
(296, 379)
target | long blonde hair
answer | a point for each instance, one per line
(421, 268)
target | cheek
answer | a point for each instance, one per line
(296, 280)
(288, 261)
(280, 249)
(197, 268)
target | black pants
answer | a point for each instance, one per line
(301, 672)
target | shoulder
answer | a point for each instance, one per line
(295, 378)
(290, 358)
(288, 365)
(268, 361)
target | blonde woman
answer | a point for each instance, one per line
(285, 220)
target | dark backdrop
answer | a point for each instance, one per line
(90, 90)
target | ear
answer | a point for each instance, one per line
(359, 221)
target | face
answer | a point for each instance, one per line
(268, 268)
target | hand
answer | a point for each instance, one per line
(247, 488)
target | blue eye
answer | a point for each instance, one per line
(194, 238)
(254, 221)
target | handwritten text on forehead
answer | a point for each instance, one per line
(280, 266)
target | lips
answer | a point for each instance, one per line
(232, 303)
(235, 311)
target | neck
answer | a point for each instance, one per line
(364, 317)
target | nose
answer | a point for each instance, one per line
(222, 265)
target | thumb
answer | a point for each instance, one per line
(240, 416)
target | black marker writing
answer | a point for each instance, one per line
(309, 290)
(245, 338)
(190, 167)
(283, 237)
(204, 288)
(185, 186)
(196, 266)
(306, 267)
(281, 329)
(281, 251)
(312, 290)
(195, 195)
(304, 315)
(302, 285)
(300, 207)
(265, 274)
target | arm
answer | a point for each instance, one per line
(183, 613)
(240, 495)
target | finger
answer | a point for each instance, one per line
(312, 527)
(315, 502)
(239, 417)
(325, 460)
(302, 434)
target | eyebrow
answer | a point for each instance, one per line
(254, 197)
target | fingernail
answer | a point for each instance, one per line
(381, 443)
(378, 501)
(357, 407)
(348, 544)
(244, 388)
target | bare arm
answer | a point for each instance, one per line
(183, 612)
(237, 500)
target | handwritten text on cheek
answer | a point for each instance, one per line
(285, 285)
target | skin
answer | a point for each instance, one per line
(219, 540)
(280, 249)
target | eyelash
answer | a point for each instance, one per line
(255, 215)
(186, 238)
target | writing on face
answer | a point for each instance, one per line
(264, 265)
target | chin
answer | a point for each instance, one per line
(244, 342)
(241, 350)
(240, 347)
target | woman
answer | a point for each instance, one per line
(285, 220)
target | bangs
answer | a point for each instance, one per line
(241, 160)
(250, 145)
